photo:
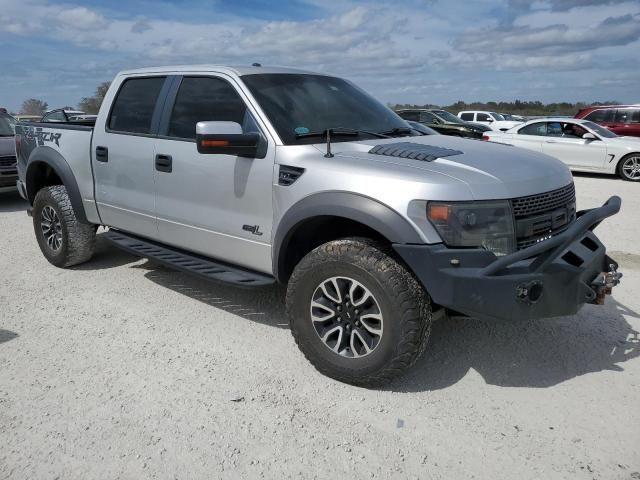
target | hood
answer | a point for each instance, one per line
(7, 146)
(490, 171)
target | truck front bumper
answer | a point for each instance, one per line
(551, 278)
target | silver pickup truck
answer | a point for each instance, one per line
(258, 175)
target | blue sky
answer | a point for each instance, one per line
(415, 51)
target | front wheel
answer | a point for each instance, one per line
(629, 167)
(356, 313)
(63, 240)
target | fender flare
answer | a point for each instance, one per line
(53, 159)
(365, 210)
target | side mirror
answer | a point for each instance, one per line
(589, 136)
(490, 120)
(226, 138)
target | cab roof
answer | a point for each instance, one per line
(233, 70)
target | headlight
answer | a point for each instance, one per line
(486, 225)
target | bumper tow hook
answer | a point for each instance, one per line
(604, 283)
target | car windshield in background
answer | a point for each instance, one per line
(7, 126)
(603, 132)
(299, 104)
(497, 116)
(449, 117)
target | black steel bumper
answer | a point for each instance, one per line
(551, 278)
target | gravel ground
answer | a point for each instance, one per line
(123, 369)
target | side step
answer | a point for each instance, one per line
(187, 262)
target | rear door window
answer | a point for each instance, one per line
(203, 99)
(623, 115)
(602, 115)
(635, 115)
(467, 117)
(538, 129)
(133, 108)
(412, 116)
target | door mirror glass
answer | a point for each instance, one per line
(226, 138)
(589, 136)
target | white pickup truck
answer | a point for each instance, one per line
(258, 175)
(493, 120)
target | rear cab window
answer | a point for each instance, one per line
(134, 106)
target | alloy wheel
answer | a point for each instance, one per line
(347, 317)
(51, 228)
(631, 167)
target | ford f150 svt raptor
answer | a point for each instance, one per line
(258, 175)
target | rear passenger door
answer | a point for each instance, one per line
(530, 136)
(123, 156)
(216, 205)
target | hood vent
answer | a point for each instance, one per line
(288, 175)
(414, 151)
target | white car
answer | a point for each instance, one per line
(493, 120)
(583, 145)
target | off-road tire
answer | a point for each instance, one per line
(621, 165)
(78, 239)
(405, 306)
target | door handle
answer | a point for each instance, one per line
(164, 163)
(102, 154)
(551, 141)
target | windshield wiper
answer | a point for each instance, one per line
(399, 131)
(338, 131)
(342, 131)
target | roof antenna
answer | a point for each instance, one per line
(328, 154)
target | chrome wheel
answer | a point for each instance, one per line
(631, 167)
(51, 228)
(346, 316)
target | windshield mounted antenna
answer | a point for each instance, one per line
(328, 154)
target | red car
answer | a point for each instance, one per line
(623, 120)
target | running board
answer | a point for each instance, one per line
(187, 262)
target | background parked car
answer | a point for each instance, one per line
(513, 118)
(61, 115)
(623, 120)
(8, 168)
(422, 128)
(583, 145)
(443, 122)
(493, 120)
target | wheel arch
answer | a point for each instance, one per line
(46, 167)
(327, 216)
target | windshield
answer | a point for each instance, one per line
(603, 132)
(497, 116)
(449, 117)
(298, 104)
(7, 125)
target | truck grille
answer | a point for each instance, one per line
(8, 165)
(539, 217)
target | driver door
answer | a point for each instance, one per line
(214, 204)
(579, 153)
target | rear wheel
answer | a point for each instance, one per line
(629, 167)
(357, 315)
(63, 240)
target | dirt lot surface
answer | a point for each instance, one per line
(123, 369)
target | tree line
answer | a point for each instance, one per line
(89, 105)
(517, 107)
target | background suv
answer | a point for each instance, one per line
(623, 120)
(443, 122)
(8, 170)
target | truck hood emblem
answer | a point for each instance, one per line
(413, 151)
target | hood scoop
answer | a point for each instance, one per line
(413, 151)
